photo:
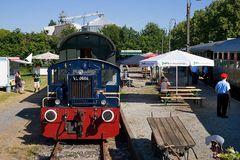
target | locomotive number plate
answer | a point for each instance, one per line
(80, 78)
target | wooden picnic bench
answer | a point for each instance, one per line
(197, 100)
(127, 82)
(169, 136)
(182, 94)
(182, 87)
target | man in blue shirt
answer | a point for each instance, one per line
(222, 88)
(194, 70)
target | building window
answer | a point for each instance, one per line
(225, 56)
(231, 56)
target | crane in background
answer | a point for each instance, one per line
(64, 19)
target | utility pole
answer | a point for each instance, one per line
(188, 25)
(169, 32)
(188, 33)
(163, 35)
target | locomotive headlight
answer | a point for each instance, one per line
(50, 115)
(57, 101)
(103, 102)
(107, 115)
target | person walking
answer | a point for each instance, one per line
(36, 79)
(223, 95)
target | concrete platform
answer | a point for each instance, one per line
(141, 101)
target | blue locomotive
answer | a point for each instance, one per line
(83, 98)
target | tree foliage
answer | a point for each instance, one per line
(20, 44)
(219, 21)
(149, 39)
(52, 23)
(68, 30)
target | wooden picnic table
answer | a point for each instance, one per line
(169, 136)
(182, 87)
(182, 94)
(127, 82)
(182, 90)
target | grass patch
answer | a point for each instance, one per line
(23, 152)
(28, 87)
(29, 83)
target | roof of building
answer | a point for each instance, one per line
(231, 45)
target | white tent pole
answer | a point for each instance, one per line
(176, 79)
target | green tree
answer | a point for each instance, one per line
(151, 37)
(52, 23)
(129, 39)
(20, 44)
(68, 30)
(219, 21)
(113, 32)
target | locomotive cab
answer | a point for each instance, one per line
(83, 82)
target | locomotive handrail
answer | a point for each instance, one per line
(111, 93)
(47, 98)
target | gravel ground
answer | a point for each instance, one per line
(19, 129)
(140, 101)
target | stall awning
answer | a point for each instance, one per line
(130, 52)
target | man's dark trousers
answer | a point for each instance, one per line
(222, 104)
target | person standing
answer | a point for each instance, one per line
(36, 79)
(222, 88)
(18, 82)
(194, 70)
(205, 75)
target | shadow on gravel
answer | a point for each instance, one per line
(140, 98)
(228, 128)
(32, 128)
(32, 131)
(37, 97)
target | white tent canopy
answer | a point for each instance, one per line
(177, 58)
(46, 56)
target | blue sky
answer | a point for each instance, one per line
(33, 15)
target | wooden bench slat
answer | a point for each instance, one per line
(155, 131)
(183, 94)
(179, 97)
(164, 133)
(174, 139)
(182, 87)
(183, 90)
(175, 95)
(170, 131)
(176, 131)
(184, 132)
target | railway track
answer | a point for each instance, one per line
(85, 150)
(120, 147)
